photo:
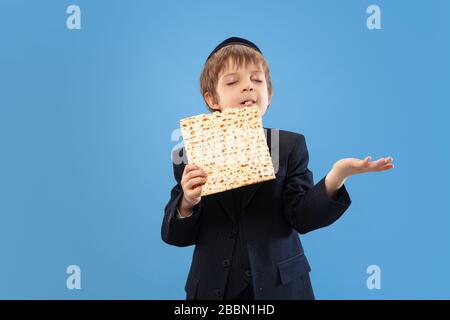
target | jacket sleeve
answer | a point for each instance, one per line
(307, 206)
(176, 231)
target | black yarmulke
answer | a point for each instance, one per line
(234, 40)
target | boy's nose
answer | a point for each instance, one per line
(248, 87)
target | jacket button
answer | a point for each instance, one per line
(226, 263)
(218, 292)
(248, 273)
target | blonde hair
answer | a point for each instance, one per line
(240, 56)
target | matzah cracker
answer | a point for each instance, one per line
(230, 146)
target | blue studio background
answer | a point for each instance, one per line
(86, 118)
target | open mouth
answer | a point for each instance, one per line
(248, 102)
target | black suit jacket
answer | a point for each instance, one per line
(274, 213)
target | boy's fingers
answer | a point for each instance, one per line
(195, 181)
(377, 162)
(188, 172)
(197, 191)
(190, 167)
(196, 173)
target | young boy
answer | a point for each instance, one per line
(247, 243)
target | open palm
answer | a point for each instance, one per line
(350, 166)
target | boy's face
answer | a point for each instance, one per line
(240, 88)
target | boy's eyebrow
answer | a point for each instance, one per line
(233, 73)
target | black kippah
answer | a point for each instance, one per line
(234, 40)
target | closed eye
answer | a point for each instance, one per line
(231, 83)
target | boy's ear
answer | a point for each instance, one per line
(210, 101)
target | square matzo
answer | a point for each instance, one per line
(230, 146)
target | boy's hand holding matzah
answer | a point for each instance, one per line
(230, 146)
(192, 181)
